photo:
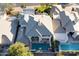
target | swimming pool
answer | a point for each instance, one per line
(42, 46)
(69, 46)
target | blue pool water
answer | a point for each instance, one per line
(42, 46)
(69, 46)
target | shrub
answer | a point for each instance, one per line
(19, 49)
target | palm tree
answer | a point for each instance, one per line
(54, 45)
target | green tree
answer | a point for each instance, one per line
(19, 49)
(0, 51)
(43, 8)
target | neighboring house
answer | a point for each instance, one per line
(65, 24)
(58, 23)
(74, 17)
(8, 26)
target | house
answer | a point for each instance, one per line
(36, 31)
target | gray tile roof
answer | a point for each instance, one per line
(39, 30)
(69, 27)
(65, 23)
(29, 11)
(33, 29)
(30, 25)
(21, 20)
(43, 30)
(63, 18)
(59, 30)
(22, 37)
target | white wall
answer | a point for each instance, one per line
(62, 37)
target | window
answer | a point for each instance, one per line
(46, 35)
(39, 23)
(35, 39)
(45, 40)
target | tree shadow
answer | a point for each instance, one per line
(14, 29)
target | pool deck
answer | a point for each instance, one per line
(69, 51)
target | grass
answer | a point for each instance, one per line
(70, 51)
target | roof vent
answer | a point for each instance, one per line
(39, 23)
